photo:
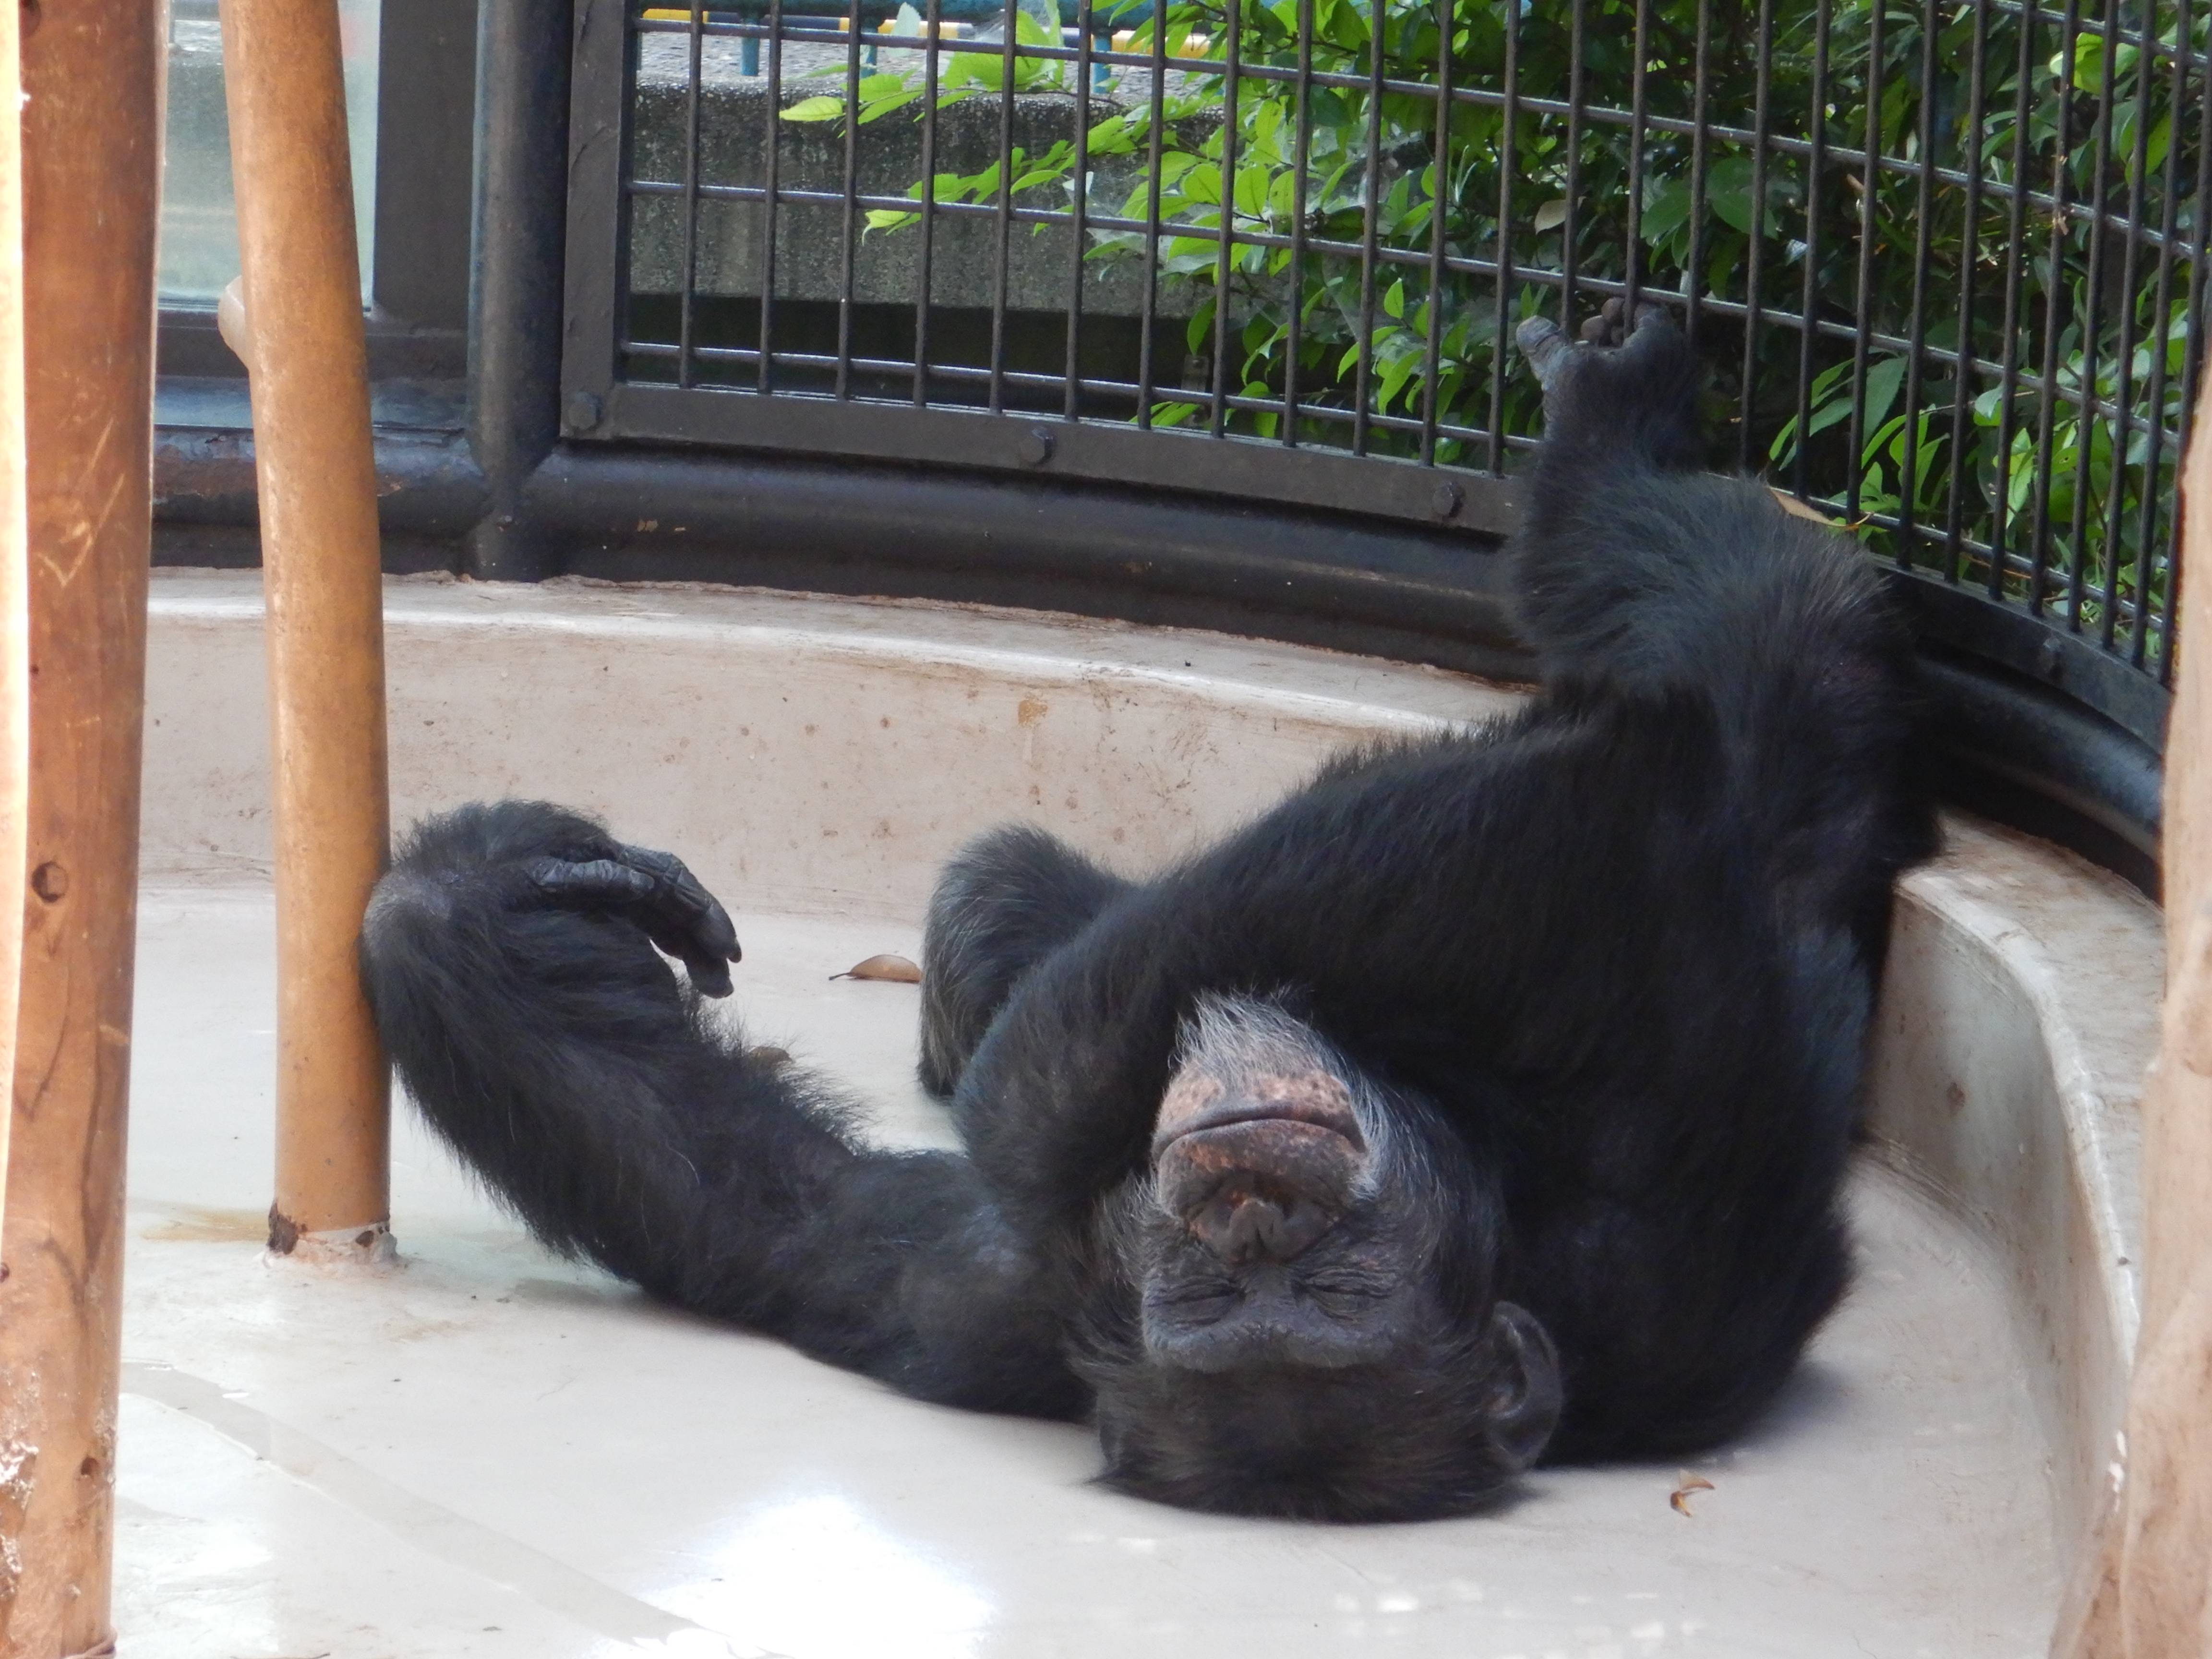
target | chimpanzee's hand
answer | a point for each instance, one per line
(656, 892)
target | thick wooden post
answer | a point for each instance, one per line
(91, 139)
(15, 622)
(2146, 1593)
(319, 554)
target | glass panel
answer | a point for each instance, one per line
(199, 228)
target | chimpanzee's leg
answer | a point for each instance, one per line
(1007, 901)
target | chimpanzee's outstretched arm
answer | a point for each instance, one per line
(509, 958)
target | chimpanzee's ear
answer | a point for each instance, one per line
(1525, 1373)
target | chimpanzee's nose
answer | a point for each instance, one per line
(1240, 1224)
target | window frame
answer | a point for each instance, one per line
(418, 308)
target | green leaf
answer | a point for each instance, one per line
(1111, 136)
(1395, 373)
(1728, 192)
(1883, 380)
(883, 106)
(815, 109)
(1200, 328)
(1666, 209)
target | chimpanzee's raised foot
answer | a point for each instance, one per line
(1552, 355)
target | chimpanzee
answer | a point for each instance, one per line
(1485, 1100)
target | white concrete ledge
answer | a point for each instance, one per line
(808, 754)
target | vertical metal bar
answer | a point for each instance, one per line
(694, 37)
(1439, 217)
(1079, 207)
(1908, 468)
(849, 241)
(2124, 364)
(2054, 311)
(1148, 310)
(1863, 301)
(547, 304)
(518, 296)
(771, 176)
(1006, 214)
(2015, 267)
(1809, 301)
(1756, 263)
(2077, 575)
(91, 148)
(1693, 278)
(1301, 157)
(1508, 118)
(1969, 263)
(1225, 250)
(1639, 113)
(426, 78)
(1570, 222)
(2148, 537)
(1371, 213)
(925, 257)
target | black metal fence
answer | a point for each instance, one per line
(1946, 257)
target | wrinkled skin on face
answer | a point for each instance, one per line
(1314, 1325)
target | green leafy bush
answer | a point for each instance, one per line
(1324, 318)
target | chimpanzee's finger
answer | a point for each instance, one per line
(592, 881)
(710, 976)
(686, 905)
(687, 921)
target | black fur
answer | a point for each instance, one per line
(1595, 981)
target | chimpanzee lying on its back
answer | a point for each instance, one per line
(1486, 1100)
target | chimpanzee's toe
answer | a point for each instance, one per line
(1547, 348)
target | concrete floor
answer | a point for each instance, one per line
(489, 1451)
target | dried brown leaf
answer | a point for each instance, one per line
(1688, 1483)
(1792, 505)
(895, 969)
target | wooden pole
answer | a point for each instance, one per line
(2146, 1590)
(320, 563)
(91, 157)
(14, 619)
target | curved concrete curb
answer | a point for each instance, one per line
(2019, 1015)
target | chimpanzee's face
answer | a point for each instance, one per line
(1315, 1330)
